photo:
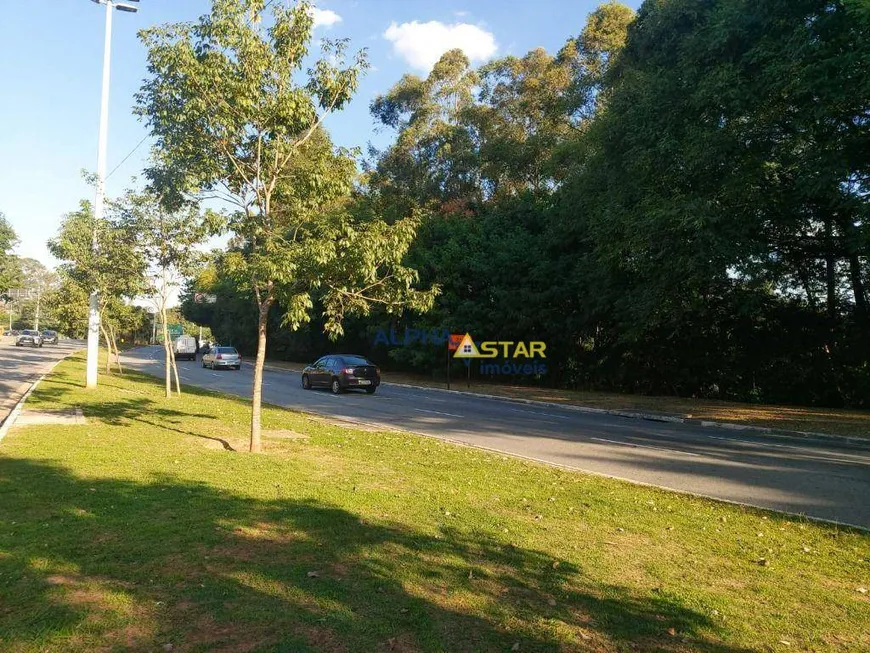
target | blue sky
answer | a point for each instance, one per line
(52, 63)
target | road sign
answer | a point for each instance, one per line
(175, 330)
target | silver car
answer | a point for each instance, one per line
(29, 337)
(222, 357)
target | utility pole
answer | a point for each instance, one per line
(99, 200)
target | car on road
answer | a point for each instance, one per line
(340, 372)
(222, 357)
(49, 337)
(29, 337)
(184, 348)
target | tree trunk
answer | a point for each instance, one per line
(847, 226)
(167, 350)
(257, 393)
(830, 268)
(117, 352)
(38, 305)
(175, 372)
(861, 309)
(108, 347)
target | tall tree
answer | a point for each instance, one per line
(434, 158)
(232, 120)
(726, 179)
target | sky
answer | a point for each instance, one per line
(51, 56)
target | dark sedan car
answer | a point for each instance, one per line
(340, 372)
(49, 337)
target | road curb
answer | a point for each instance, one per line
(650, 417)
(9, 421)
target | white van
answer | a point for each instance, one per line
(184, 348)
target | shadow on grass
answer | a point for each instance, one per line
(120, 564)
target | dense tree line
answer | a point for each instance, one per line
(676, 202)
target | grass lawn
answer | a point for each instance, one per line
(834, 421)
(145, 530)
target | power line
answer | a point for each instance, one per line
(144, 138)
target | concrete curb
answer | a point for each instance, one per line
(9, 420)
(650, 417)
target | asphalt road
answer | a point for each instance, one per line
(820, 478)
(23, 365)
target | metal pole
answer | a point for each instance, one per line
(94, 305)
(448, 364)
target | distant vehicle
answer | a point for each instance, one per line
(340, 372)
(49, 337)
(29, 337)
(8, 333)
(222, 357)
(184, 348)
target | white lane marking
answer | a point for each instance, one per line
(644, 446)
(824, 455)
(534, 412)
(436, 412)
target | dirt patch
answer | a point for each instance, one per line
(403, 643)
(97, 601)
(207, 634)
(322, 639)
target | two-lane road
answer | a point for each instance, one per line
(23, 365)
(822, 478)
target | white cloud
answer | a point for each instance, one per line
(324, 17)
(422, 44)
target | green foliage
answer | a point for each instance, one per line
(9, 268)
(114, 269)
(724, 182)
(676, 201)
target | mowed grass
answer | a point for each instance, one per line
(832, 421)
(149, 530)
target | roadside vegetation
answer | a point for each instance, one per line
(150, 528)
(675, 200)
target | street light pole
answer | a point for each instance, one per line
(99, 200)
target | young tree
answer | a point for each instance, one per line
(167, 241)
(231, 120)
(38, 280)
(116, 269)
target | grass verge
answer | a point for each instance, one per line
(148, 529)
(833, 421)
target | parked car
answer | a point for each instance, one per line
(7, 332)
(222, 357)
(49, 337)
(184, 348)
(340, 372)
(29, 337)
